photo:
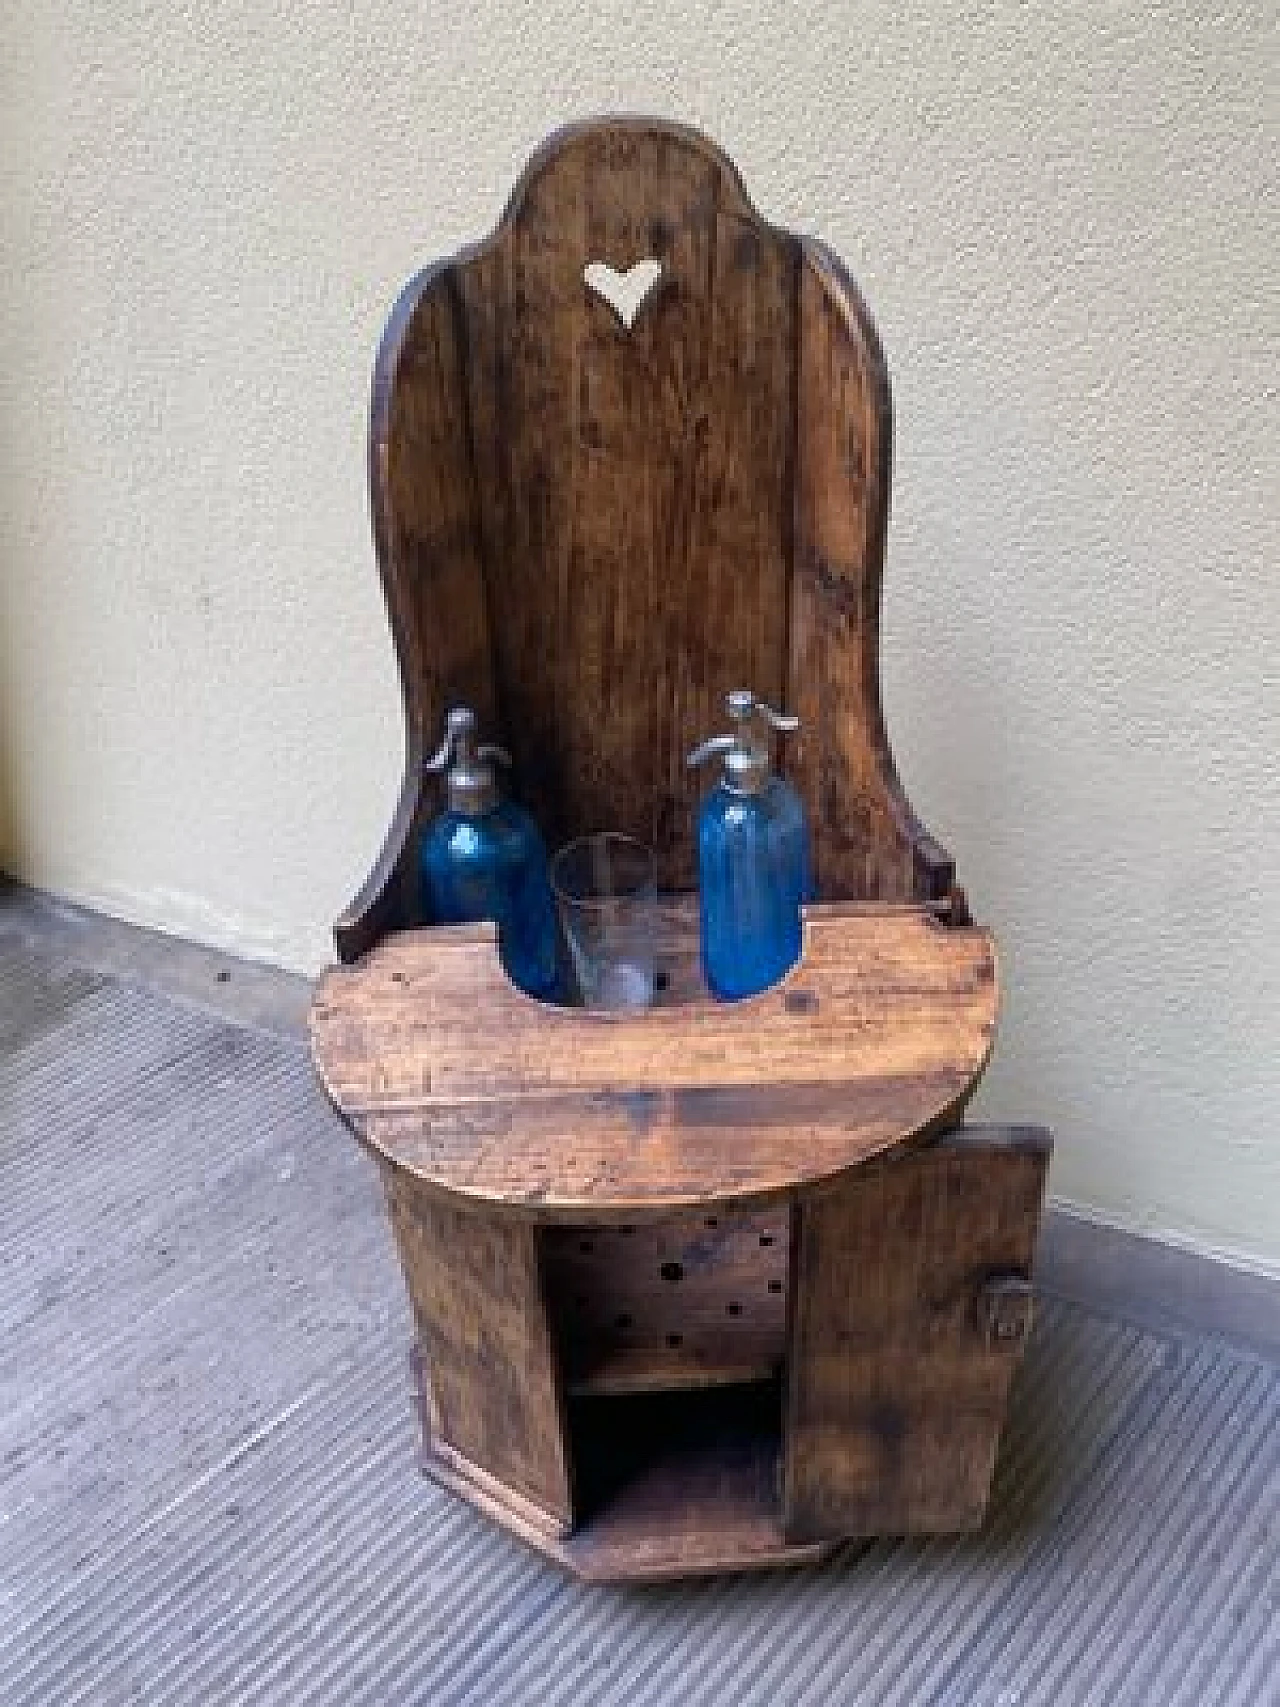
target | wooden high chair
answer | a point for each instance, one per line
(707, 1286)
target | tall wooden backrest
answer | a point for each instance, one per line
(590, 529)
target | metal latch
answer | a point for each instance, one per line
(1006, 1308)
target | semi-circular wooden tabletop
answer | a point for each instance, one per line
(877, 1037)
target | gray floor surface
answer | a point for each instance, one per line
(207, 1483)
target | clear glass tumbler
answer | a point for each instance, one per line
(606, 891)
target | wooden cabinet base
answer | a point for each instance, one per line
(695, 1501)
(625, 1545)
(868, 1337)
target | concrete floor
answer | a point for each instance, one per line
(207, 1484)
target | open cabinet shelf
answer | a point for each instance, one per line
(680, 1482)
(667, 1485)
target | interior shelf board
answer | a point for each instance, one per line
(619, 1370)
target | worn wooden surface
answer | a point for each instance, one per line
(860, 1389)
(591, 531)
(907, 1312)
(447, 1071)
(691, 1301)
(866, 839)
(426, 531)
(898, 1366)
(634, 483)
(673, 1485)
(490, 1383)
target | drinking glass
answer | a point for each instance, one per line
(606, 891)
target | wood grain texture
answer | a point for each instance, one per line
(427, 534)
(866, 839)
(589, 527)
(676, 1483)
(878, 1036)
(591, 532)
(896, 1384)
(491, 1386)
(694, 1301)
(671, 1489)
(635, 484)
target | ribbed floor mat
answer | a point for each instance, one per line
(207, 1484)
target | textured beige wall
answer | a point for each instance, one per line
(1064, 218)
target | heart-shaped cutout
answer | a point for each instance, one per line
(624, 292)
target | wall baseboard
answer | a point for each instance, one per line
(1166, 1286)
(1169, 1288)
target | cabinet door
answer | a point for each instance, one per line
(912, 1301)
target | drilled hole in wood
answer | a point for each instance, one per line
(671, 1271)
(766, 1238)
(674, 1340)
(711, 1221)
(775, 1286)
(734, 1309)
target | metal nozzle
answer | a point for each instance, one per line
(468, 769)
(746, 751)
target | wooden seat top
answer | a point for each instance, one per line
(877, 1037)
